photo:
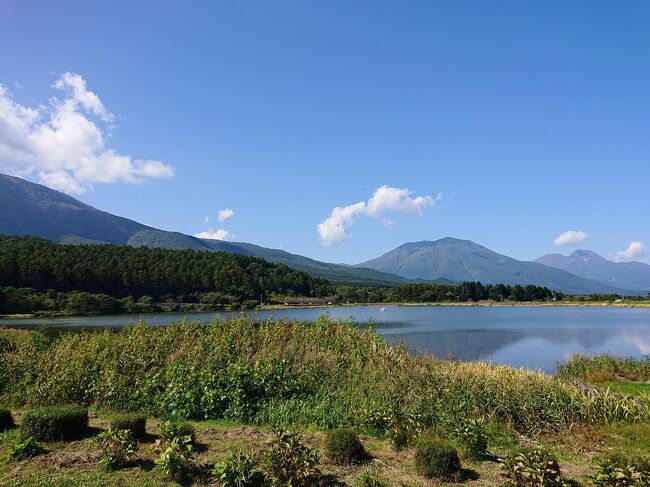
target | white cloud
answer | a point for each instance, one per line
(64, 143)
(206, 220)
(570, 237)
(385, 199)
(634, 251)
(219, 234)
(225, 214)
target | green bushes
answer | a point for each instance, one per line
(135, 423)
(619, 471)
(25, 449)
(6, 421)
(238, 470)
(177, 457)
(343, 447)
(290, 461)
(174, 429)
(118, 448)
(533, 467)
(55, 423)
(324, 374)
(472, 437)
(435, 458)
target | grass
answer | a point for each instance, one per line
(73, 464)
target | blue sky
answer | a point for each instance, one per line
(513, 122)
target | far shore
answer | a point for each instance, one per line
(270, 307)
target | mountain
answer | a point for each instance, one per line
(588, 264)
(32, 209)
(463, 260)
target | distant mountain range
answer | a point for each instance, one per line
(463, 260)
(632, 276)
(32, 209)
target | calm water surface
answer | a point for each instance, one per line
(533, 337)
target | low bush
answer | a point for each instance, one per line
(6, 421)
(55, 423)
(435, 458)
(344, 447)
(472, 437)
(238, 470)
(603, 368)
(135, 423)
(620, 471)
(290, 462)
(177, 457)
(533, 467)
(118, 448)
(174, 429)
(25, 449)
(366, 479)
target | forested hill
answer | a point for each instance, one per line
(138, 271)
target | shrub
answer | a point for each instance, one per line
(290, 462)
(472, 437)
(368, 480)
(173, 429)
(619, 471)
(6, 421)
(118, 448)
(176, 457)
(135, 423)
(436, 458)
(26, 449)
(55, 423)
(343, 447)
(533, 467)
(238, 470)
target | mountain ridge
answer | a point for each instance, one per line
(464, 260)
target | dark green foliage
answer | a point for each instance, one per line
(290, 461)
(435, 458)
(238, 470)
(533, 467)
(344, 447)
(135, 423)
(6, 421)
(620, 471)
(55, 423)
(472, 437)
(118, 448)
(25, 449)
(27, 262)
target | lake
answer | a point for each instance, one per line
(521, 336)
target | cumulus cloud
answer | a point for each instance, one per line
(225, 214)
(570, 237)
(634, 251)
(63, 144)
(385, 200)
(219, 234)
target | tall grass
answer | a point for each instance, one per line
(327, 374)
(604, 368)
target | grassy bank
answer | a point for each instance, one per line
(234, 379)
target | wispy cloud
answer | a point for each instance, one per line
(570, 237)
(63, 144)
(634, 251)
(385, 200)
(225, 214)
(219, 234)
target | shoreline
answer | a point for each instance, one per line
(272, 307)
